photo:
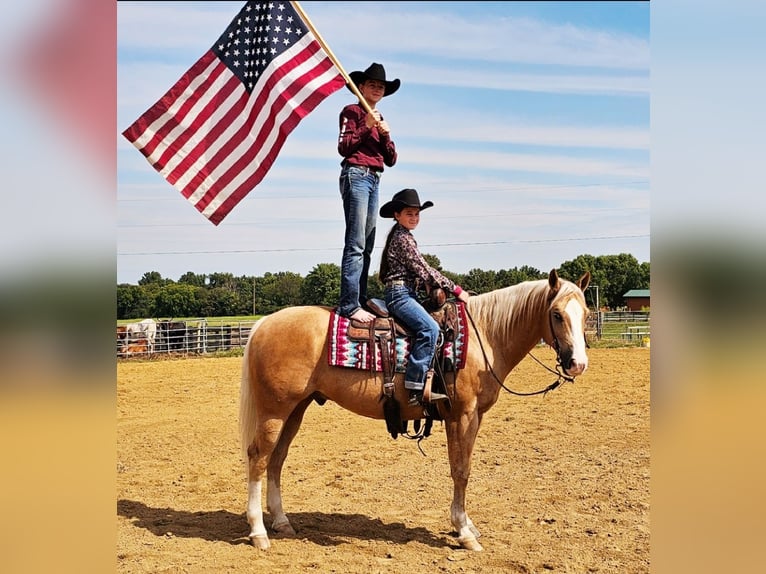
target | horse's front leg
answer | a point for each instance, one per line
(461, 436)
(280, 523)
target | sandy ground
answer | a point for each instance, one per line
(559, 483)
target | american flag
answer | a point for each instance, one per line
(215, 134)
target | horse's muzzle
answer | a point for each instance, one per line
(576, 369)
(572, 366)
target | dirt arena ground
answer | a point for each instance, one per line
(559, 483)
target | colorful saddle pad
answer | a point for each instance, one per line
(344, 352)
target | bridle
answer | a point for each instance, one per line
(421, 432)
(561, 377)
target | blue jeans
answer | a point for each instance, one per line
(403, 304)
(359, 191)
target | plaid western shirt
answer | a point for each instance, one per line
(405, 263)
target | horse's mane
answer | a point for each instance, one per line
(511, 311)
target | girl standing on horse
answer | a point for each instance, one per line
(405, 272)
(367, 148)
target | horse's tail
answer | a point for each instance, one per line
(246, 400)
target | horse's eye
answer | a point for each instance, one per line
(557, 316)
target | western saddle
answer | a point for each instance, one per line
(382, 332)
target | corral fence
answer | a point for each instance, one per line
(619, 327)
(206, 336)
(189, 337)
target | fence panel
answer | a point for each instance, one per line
(203, 336)
(195, 337)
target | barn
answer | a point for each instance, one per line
(637, 299)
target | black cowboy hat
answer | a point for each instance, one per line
(375, 72)
(402, 199)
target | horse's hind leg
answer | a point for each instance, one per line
(280, 522)
(264, 447)
(258, 453)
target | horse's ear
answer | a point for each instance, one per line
(553, 281)
(584, 281)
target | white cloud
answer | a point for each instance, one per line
(478, 38)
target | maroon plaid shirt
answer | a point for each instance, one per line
(360, 145)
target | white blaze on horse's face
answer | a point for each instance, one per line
(568, 313)
(575, 316)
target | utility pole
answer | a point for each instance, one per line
(253, 294)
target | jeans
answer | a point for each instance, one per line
(359, 191)
(403, 304)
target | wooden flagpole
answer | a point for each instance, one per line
(349, 82)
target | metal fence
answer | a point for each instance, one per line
(625, 316)
(205, 336)
(197, 337)
(619, 327)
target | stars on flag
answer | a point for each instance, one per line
(256, 38)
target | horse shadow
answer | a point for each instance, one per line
(322, 529)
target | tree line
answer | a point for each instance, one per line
(223, 294)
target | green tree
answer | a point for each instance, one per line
(322, 285)
(246, 294)
(275, 291)
(479, 281)
(153, 278)
(375, 288)
(433, 261)
(133, 302)
(624, 274)
(508, 277)
(220, 302)
(177, 300)
(436, 263)
(195, 279)
(222, 281)
(614, 275)
(644, 276)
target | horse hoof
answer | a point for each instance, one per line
(474, 530)
(470, 543)
(284, 528)
(260, 541)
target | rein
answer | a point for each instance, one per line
(561, 376)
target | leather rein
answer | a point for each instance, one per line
(561, 377)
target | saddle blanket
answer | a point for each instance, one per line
(343, 352)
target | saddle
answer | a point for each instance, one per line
(383, 331)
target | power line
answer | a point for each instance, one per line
(434, 217)
(302, 249)
(473, 189)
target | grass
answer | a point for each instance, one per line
(611, 335)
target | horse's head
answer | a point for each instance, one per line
(567, 313)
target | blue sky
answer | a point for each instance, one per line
(526, 123)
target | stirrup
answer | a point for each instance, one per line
(430, 397)
(420, 399)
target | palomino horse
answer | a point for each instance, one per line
(285, 368)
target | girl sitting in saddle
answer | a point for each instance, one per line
(405, 272)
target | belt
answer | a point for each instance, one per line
(395, 283)
(365, 169)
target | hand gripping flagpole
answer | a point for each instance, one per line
(349, 82)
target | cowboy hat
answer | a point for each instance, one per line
(375, 72)
(402, 199)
